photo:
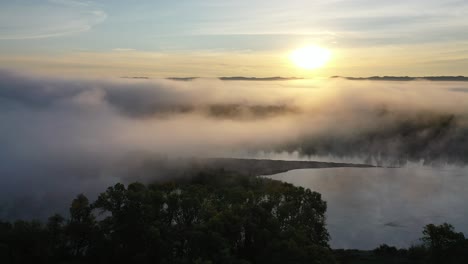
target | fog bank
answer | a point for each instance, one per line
(60, 136)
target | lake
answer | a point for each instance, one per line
(371, 206)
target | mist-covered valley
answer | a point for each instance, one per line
(371, 206)
(63, 136)
(380, 122)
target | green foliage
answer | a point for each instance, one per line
(210, 218)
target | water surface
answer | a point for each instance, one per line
(371, 206)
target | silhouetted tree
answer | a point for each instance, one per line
(81, 226)
(445, 245)
(213, 217)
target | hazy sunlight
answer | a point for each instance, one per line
(310, 57)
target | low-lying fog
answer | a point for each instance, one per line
(62, 136)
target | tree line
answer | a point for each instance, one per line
(214, 217)
(439, 244)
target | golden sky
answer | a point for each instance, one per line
(245, 38)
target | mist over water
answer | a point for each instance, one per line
(64, 136)
(380, 121)
(372, 206)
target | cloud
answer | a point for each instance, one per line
(52, 19)
(459, 89)
(123, 49)
(353, 23)
(71, 2)
(69, 135)
(375, 121)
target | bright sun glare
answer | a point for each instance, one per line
(310, 57)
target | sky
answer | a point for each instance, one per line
(212, 38)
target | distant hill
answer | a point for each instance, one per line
(277, 78)
(185, 79)
(405, 78)
(160, 168)
(254, 167)
(135, 77)
(241, 78)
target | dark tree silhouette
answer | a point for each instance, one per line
(214, 217)
(444, 244)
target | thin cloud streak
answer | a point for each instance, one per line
(55, 19)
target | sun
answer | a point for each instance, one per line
(310, 57)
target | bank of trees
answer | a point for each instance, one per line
(439, 244)
(210, 218)
(214, 217)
